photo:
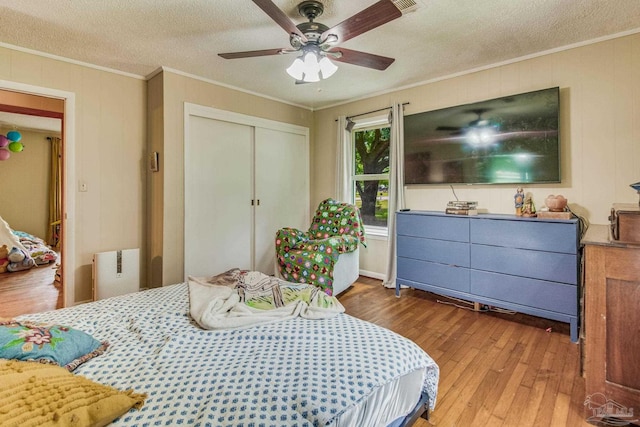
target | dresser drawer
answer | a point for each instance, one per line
(433, 226)
(550, 266)
(431, 273)
(551, 296)
(531, 234)
(441, 251)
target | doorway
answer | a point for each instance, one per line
(67, 119)
(31, 206)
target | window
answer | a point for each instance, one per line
(370, 179)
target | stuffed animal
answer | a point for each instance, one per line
(19, 260)
(4, 260)
(16, 255)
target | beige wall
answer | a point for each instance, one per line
(110, 142)
(176, 90)
(600, 130)
(600, 95)
(24, 184)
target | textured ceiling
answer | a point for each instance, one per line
(439, 38)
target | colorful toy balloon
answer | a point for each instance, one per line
(16, 147)
(14, 136)
(4, 154)
(4, 141)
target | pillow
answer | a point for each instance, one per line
(41, 394)
(47, 343)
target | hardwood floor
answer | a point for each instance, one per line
(30, 291)
(495, 369)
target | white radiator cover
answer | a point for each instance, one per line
(116, 273)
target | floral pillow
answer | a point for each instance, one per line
(48, 343)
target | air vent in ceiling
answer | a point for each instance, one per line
(405, 6)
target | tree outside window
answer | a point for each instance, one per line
(371, 174)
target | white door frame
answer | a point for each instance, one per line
(68, 229)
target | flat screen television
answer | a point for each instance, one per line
(510, 140)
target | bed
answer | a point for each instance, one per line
(338, 371)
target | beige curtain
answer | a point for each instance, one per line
(396, 189)
(55, 194)
(344, 163)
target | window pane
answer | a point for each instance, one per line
(372, 197)
(371, 151)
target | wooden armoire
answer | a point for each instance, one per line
(612, 328)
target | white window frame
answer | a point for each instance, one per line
(365, 124)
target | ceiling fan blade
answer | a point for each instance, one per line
(280, 17)
(362, 59)
(368, 19)
(251, 53)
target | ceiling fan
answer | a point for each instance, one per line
(317, 42)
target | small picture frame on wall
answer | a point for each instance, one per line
(154, 164)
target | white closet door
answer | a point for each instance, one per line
(218, 188)
(282, 186)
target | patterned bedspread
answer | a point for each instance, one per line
(295, 372)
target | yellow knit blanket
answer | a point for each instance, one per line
(36, 394)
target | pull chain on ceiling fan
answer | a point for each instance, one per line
(317, 42)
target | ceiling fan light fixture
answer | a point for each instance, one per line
(327, 67)
(311, 66)
(296, 70)
(311, 77)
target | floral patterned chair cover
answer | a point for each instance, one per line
(309, 257)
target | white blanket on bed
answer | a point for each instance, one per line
(221, 307)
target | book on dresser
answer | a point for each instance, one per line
(461, 211)
(461, 207)
(463, 204)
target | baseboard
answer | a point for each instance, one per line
(372, 274)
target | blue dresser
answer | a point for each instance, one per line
(529, 265)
